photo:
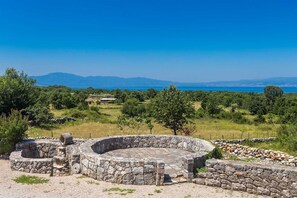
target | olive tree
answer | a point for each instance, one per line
(172, 108)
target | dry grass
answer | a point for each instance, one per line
(207, 128)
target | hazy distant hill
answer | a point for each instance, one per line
(75, 81)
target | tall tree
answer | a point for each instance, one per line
(272, 93)
(172, 108)
(17, 91)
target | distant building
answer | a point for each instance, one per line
(96, 99)
(107, 100)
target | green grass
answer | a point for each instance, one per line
(228, 156)
(93, 182)
(120, 191)
(201, 170)
(158, 190)
(25, 179)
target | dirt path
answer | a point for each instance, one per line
(73, 186)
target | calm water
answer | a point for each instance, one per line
(231, 89)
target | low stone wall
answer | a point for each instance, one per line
(123, 171)
(135, 171)
(275, 181)
(34, 156)
(155, 141)
(38, 148)
(29, 165)
(262, 154)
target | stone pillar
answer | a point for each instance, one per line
(188, 165)
(66, 139)
(160, 173)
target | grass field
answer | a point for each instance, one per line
(206, 128)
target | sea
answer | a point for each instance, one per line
(217, 89)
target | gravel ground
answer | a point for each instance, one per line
(74, 186)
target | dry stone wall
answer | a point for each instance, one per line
(135, 171)
(275, 181)
(242, 151)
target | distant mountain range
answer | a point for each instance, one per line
(111, 82)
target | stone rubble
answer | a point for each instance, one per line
(258, 153)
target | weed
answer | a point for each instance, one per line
(24, 179)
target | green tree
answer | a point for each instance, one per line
(17, 91)
(172, 108)
(272, 93)
(132, 107)
(12, 130)
(257, 106)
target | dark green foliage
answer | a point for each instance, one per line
(132, 107)
(257, 106)
(12, 130)
(216, 154)
(37, 114)
(17, 91)
(272, 93)
(172, 108)
(212, 107)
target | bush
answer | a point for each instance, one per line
(12, 130)
(287, 136)
(37, 115)
(188, 129)
(216, 154)
(132, 107)
(75, 113)
(259, 119)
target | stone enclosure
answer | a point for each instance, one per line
(139, 160)
(152, 160)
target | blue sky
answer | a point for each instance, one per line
(189, 41)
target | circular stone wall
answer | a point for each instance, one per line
(147, 171)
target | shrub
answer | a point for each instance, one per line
(132, 107)
(216, 153)
(188, 129)
(37, 115)
(287, 136)
(12, 130)
(259, 119)
(75, 113)
(96, 109)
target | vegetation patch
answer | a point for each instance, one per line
(201, 170)
(120, 191)
(93, 182)
(158, 190)
(26, 179)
